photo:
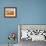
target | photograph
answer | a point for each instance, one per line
(10, 12)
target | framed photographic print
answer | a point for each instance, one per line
(10, 12)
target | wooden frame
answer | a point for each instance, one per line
(10, 12)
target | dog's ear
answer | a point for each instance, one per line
(8, 38)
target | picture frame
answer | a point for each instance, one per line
(10, 12)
